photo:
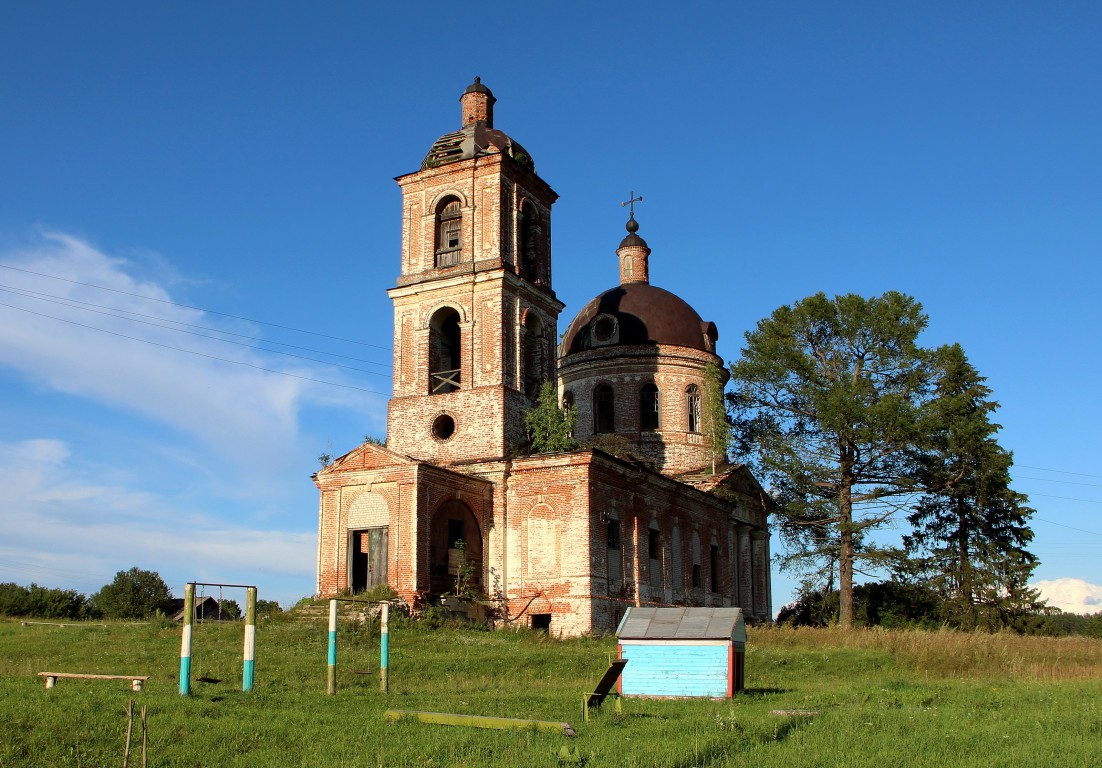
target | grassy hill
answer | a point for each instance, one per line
(879, 698)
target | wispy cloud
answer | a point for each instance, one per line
(131, 441)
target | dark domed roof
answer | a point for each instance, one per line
(638, 313)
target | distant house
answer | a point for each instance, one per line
(206, 609)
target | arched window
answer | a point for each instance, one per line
(692, 405)
(534, 355)
(449, 232)
(648, 408)
(568, 404)
(604, 406)
(528, 247)
(444, 351)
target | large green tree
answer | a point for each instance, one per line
(828, 400)
(134, 594)
(970, 529)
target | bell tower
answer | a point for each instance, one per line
(475, 317)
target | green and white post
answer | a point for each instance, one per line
(185, 640)
(384, 645)
(250, 640)
(331, 686)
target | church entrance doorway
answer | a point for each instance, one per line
(367, 565)
(455, 550)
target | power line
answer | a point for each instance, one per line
(1065, 482)
(1065, 498)
(199, 354)
(1061, 471)
(202, 336)
(120, 313)
(186, 306)
(1071, 527)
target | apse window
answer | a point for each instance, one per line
(692, 404)
(443, 427)
(648, 408)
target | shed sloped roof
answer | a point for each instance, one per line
(648, 623)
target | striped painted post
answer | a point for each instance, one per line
(384, 645)
(185, 640)
(331, 685)
(250, 640)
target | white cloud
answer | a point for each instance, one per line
(1071, 595)
(98, 352)
(57, 527)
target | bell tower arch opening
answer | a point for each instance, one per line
(445, 355)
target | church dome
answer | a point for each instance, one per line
(478, 135)
(638, 313)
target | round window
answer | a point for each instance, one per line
(443, 427)
(604, 328)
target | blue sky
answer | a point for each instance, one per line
(227, 169)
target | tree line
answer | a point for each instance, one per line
(132, 594)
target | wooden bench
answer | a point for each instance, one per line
(136, 681)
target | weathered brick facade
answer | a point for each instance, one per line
(568, 539)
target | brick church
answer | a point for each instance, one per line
(571, 539)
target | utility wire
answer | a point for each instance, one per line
(121, 314)
(186, 306)
(203, 336)
(199, 354)
(1061, 471)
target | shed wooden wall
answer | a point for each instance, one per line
(678, 668)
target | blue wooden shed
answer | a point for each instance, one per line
(682, 651)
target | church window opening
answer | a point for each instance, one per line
(529, 241)
(713, 568)
(612, 533)
(697, 570)
(604, 405)
(449, 232)
(443, 427)
(692, 404)
(444, 352)
(654, 552)
(648, 408)
(534, 356)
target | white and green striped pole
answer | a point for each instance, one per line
(331, 687)
(384, 646)
(250, 639)
(185, 640)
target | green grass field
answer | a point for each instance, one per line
(879, 699)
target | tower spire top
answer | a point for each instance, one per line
(633, 251)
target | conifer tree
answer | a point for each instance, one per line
(828, 398)
(970, 529)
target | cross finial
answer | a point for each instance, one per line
(631, 202)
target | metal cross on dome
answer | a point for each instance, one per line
(631, 202)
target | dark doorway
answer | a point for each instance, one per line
(541, 621)
(368, 560)
(455, 549)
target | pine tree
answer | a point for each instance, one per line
(971, 528)
(828, 397)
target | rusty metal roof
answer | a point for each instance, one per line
(475, 139)
(649, 623)
(645, 314)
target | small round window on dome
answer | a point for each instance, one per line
(604, 329)
(443, 427)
